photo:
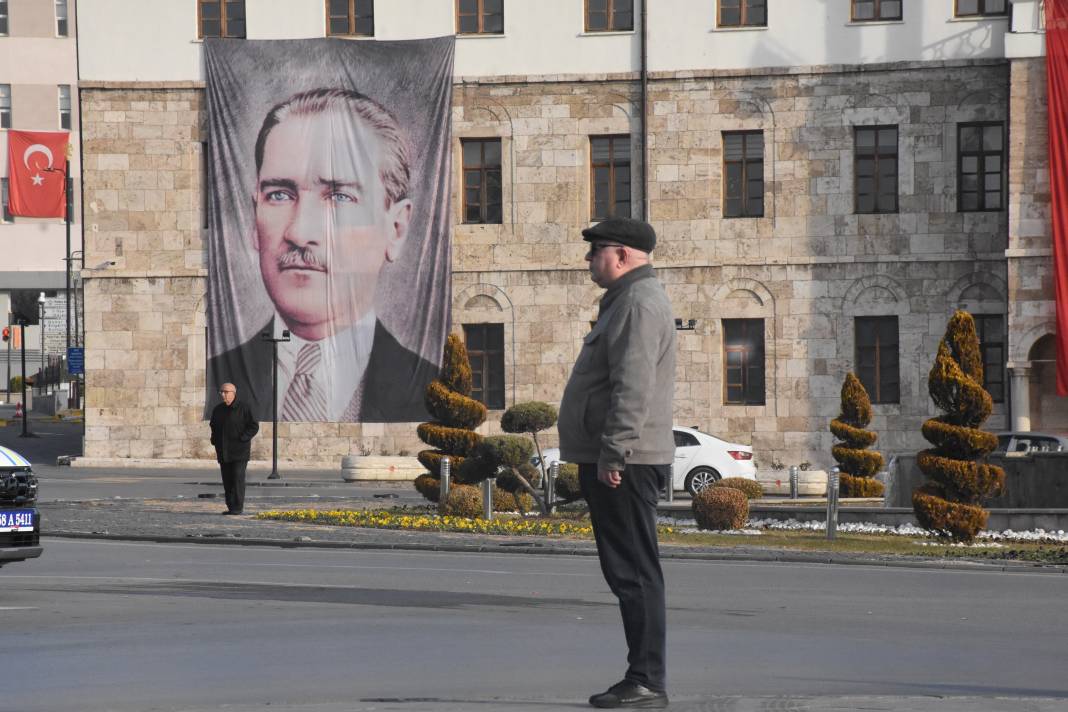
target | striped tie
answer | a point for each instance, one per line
(305, 399)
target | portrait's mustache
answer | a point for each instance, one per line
(301, 258)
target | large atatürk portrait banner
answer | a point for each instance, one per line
(328, 181)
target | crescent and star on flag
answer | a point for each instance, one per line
(42, 149)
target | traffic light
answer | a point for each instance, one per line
(7, 333)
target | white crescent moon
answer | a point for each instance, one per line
(37, 148)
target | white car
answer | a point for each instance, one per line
(700, 460)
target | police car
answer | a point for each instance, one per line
(20, 522)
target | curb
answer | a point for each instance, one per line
(526, 548)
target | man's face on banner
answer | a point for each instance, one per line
(323, 229)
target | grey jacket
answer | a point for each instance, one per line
(617, 405)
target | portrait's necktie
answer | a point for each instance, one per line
(306, 397)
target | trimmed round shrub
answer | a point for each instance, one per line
(567, 482)
(505, 501)
(849, 486)
(751, 488)
(529, 417)
(720, 508)
(463, 501)
(428, 486)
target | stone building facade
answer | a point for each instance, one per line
(808, 267)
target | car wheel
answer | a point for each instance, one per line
(700, 478)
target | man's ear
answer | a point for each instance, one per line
(399, 216)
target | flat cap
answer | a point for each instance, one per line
(626, 231)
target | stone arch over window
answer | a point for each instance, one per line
(485, 303)
(743, 297)
(978, 292)
(1020, 349)
(877, 295)
(753, 112)
(505, 130)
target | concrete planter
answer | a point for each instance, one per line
(380, 468)
(809, 482)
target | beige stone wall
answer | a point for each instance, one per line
(808, 267)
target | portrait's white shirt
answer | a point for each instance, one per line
(343, 361)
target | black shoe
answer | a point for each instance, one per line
(630, 694)
(237, 512)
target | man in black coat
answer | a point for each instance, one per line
(332, 208)
(232, 430)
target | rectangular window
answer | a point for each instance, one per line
(877, 357)
(3, 17)
(743, 13)
(743, 361)
(981, 8)
(875, 169)
(480, 17)
(991, 330)
(482, 180)
(350, 18)
(743, 174)
(5, 106)
(8, 217)
(485, 350)
(62, 29)
(609, 177)
(980, 166)
(221, 18)
(609, 15)
(64, 106)
(875, 10)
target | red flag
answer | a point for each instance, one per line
(36, 163)
(1057, 85)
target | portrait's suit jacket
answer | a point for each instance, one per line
(391, 390)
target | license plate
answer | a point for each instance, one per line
(15, 520)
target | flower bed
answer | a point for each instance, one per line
(425, 521)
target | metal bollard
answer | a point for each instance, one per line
(550, 486)
(832, 502)
(793, 481)
(443, 491)
(669, 490)
(487, 497)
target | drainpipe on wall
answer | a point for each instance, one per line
(645, 110)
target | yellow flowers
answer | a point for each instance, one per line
(393, 519)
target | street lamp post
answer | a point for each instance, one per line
(41, 321)
(274, 340)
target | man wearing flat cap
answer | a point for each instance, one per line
(615, 422)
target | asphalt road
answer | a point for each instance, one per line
(123, 626)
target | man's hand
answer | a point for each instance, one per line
(610, 478)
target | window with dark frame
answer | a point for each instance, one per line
(743, 174)
(480, 17)
(485, 351)
(3, 17)
(62, 26)
(875, 169)
(609, 177)
(8, 217)
(221, 18)
(875, 10)
(350, 18)
(743, 13)
(5, 106)
(981, 8)
(609, 15)
(877, 357)
(743, 362)
(980, 166)
(64, 106)
(482, 180)
(991, 331)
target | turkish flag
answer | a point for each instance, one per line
(36, 162)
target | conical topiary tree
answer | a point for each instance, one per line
(456, 415)
(950, 502)
(856, 462)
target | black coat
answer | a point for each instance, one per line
(232, 430)
(391, 391)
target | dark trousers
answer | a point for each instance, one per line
(233, 477)
(624, 525)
